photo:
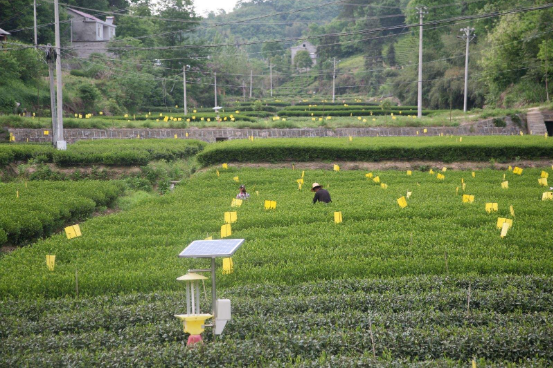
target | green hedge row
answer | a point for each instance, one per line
(447, 149)
(353, 108)
(39, 208)
(295, 113)
(104, 152)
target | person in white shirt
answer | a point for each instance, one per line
(243, 194)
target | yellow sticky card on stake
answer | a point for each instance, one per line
(350, 138)
(542, 182)
(302, 174)
(228, 266)
(209, 238)
(226, 230)
(512, 210)
(409, 173)
(270, 205)
(425, 130)
(440, 177)
(457, 191)
(505, 185)
(369, 175)
(337, 217)
(473, 174)
(236, 179)
(299, 186)
(468, 198)
(460, 139)
(50, 262)
(336, 168)
(517, 171)
(17, 194)
(224, 166)
(186, 134)
(464, 186)
(384, 186)
(409, 195)
(402, 202)
(431, 172)
(175, 136)
(510, 168)
(300, 181)
(503, 220)
(504, 230)
(547, 196)
(46, 132)
(230, 217)
(217, 173)
(73, 231)
(377, 179)
(544, 175)
(444, 169)
(521, 133)
(491, 207)
(236, 202)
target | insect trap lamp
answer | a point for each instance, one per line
(194, 321)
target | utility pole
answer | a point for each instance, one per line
(34, 17)
(422, 11)
(468, 35)
(60, 143)
(215, 75)
(334, 82)
(271, 70)
(244, 90)
(184, 85)
(251, 82)
(51, 59)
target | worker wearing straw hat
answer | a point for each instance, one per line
(321, 195)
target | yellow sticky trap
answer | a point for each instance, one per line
(46, 132)
(230, 217)
(510, 168)
(257, 192)
(409, 194)
(542, 182)
(236, 202)
(431, 172)
(425, 130)
(417, 132)
(402, 202)
(224, 166)
(505, 185)
(464, 186)
(186, 134)
(440, 177)
(209, 238)
(336, 168)
(384, 186)
(457, 191)
(73, 231)
(517, 171)
(228, 266)
(350, 138)
(504, 177)
(270, 205)
(17, 194)
(369, 175)
(175, 136)
(302, 174)
(409, 173)
(444, 169)
(512, 210)
(544, 175)
(468, 198)
(462, 180)
(491, 207)
(236, 179)
(504, 229)
(300, 181)
(50, 262)
(547, 196)
(299, 186)
(377, 179)
(217, 171)
(460, 139)
(521, 133)
(337, 217)
(473, 174)
(502, 220)
(226, 230)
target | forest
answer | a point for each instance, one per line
(375, 47)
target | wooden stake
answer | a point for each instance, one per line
(372, 337)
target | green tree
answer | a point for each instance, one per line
(302, 60)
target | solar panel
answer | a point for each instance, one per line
(211, 248)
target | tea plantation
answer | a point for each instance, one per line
(431, 284)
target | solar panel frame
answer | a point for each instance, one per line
(211, 248)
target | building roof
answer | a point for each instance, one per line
(2, 32)
(89, 16)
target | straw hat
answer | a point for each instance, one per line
(315, 185)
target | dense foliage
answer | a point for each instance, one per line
(414, 321)
(448, 149)
(436, 234)
(40, 208)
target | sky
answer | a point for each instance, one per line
(205, 6)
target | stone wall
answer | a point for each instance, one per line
(211, 135)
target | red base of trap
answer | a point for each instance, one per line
(194, 339)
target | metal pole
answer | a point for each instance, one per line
(50, 56)
(546, 72)
(466, 35)
(215, 75)
(419, 101)
(271, 69)
(184, 85)
(251, 82)
(60, 143)
(213, 294)
(334, 82)
(244, 90)
(34, 16)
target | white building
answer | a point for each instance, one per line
(305, 46)
(90, 34)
